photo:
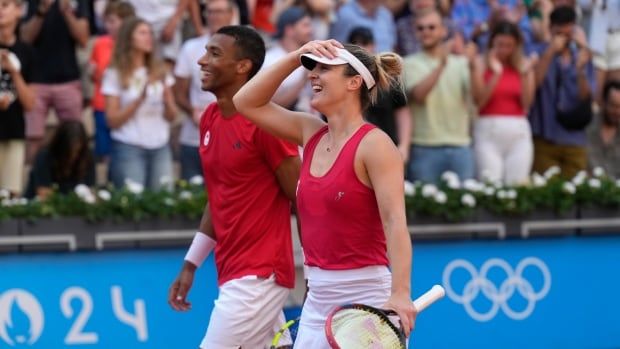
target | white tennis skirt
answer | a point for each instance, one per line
(330, 288)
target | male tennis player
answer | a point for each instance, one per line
(251, 178)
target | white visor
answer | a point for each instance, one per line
(309, 60)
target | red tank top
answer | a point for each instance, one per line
(505, 99)
(340, 222)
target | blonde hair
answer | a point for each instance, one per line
(386, 68)
(121, 57)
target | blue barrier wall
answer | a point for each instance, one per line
(543, 293)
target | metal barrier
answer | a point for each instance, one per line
(102, 238)
(87, 240)
(69, 239)
(437, 229)
(528, 226)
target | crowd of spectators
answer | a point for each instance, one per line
(492, 89)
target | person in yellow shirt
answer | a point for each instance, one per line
(438, 86)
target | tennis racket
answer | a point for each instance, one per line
(285, 335)
(355, 326)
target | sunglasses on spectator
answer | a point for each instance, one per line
(421, 28)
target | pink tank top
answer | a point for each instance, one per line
(340, 222)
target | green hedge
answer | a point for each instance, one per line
(451, 200)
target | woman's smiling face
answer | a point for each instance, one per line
(328, 85)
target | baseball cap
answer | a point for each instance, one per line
(309, 61)
(288, 17)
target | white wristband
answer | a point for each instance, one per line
(201, 247)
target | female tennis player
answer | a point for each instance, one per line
(350, 195)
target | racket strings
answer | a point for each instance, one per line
(355, 328)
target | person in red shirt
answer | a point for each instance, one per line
(100, 57)
(350, 197)
(251, 178)
(503, 88)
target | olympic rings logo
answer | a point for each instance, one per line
(499, 296)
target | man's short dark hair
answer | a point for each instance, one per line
(609, 86)
(289, 17)
(361, 36)
(249, 43)
(563, 15)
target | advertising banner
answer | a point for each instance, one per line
(535, 293)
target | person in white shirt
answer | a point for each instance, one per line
(165, 17)
(139, 107)
(188, 93)
(604, 41)
(294, 29)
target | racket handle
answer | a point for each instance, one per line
(432, 295)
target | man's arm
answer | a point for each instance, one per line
(78, 27)
(528, 85)
(206, 225)
(557, 44)
(168, 32)
(177, 294)
(583, 78)
(181, 94)
(287, 174)
(540, 72)
(196, 18)
(420, 91)
(31, 28)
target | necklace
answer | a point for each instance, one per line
(329, 147)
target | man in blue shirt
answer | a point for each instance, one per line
(564, 78)
(370, 14)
